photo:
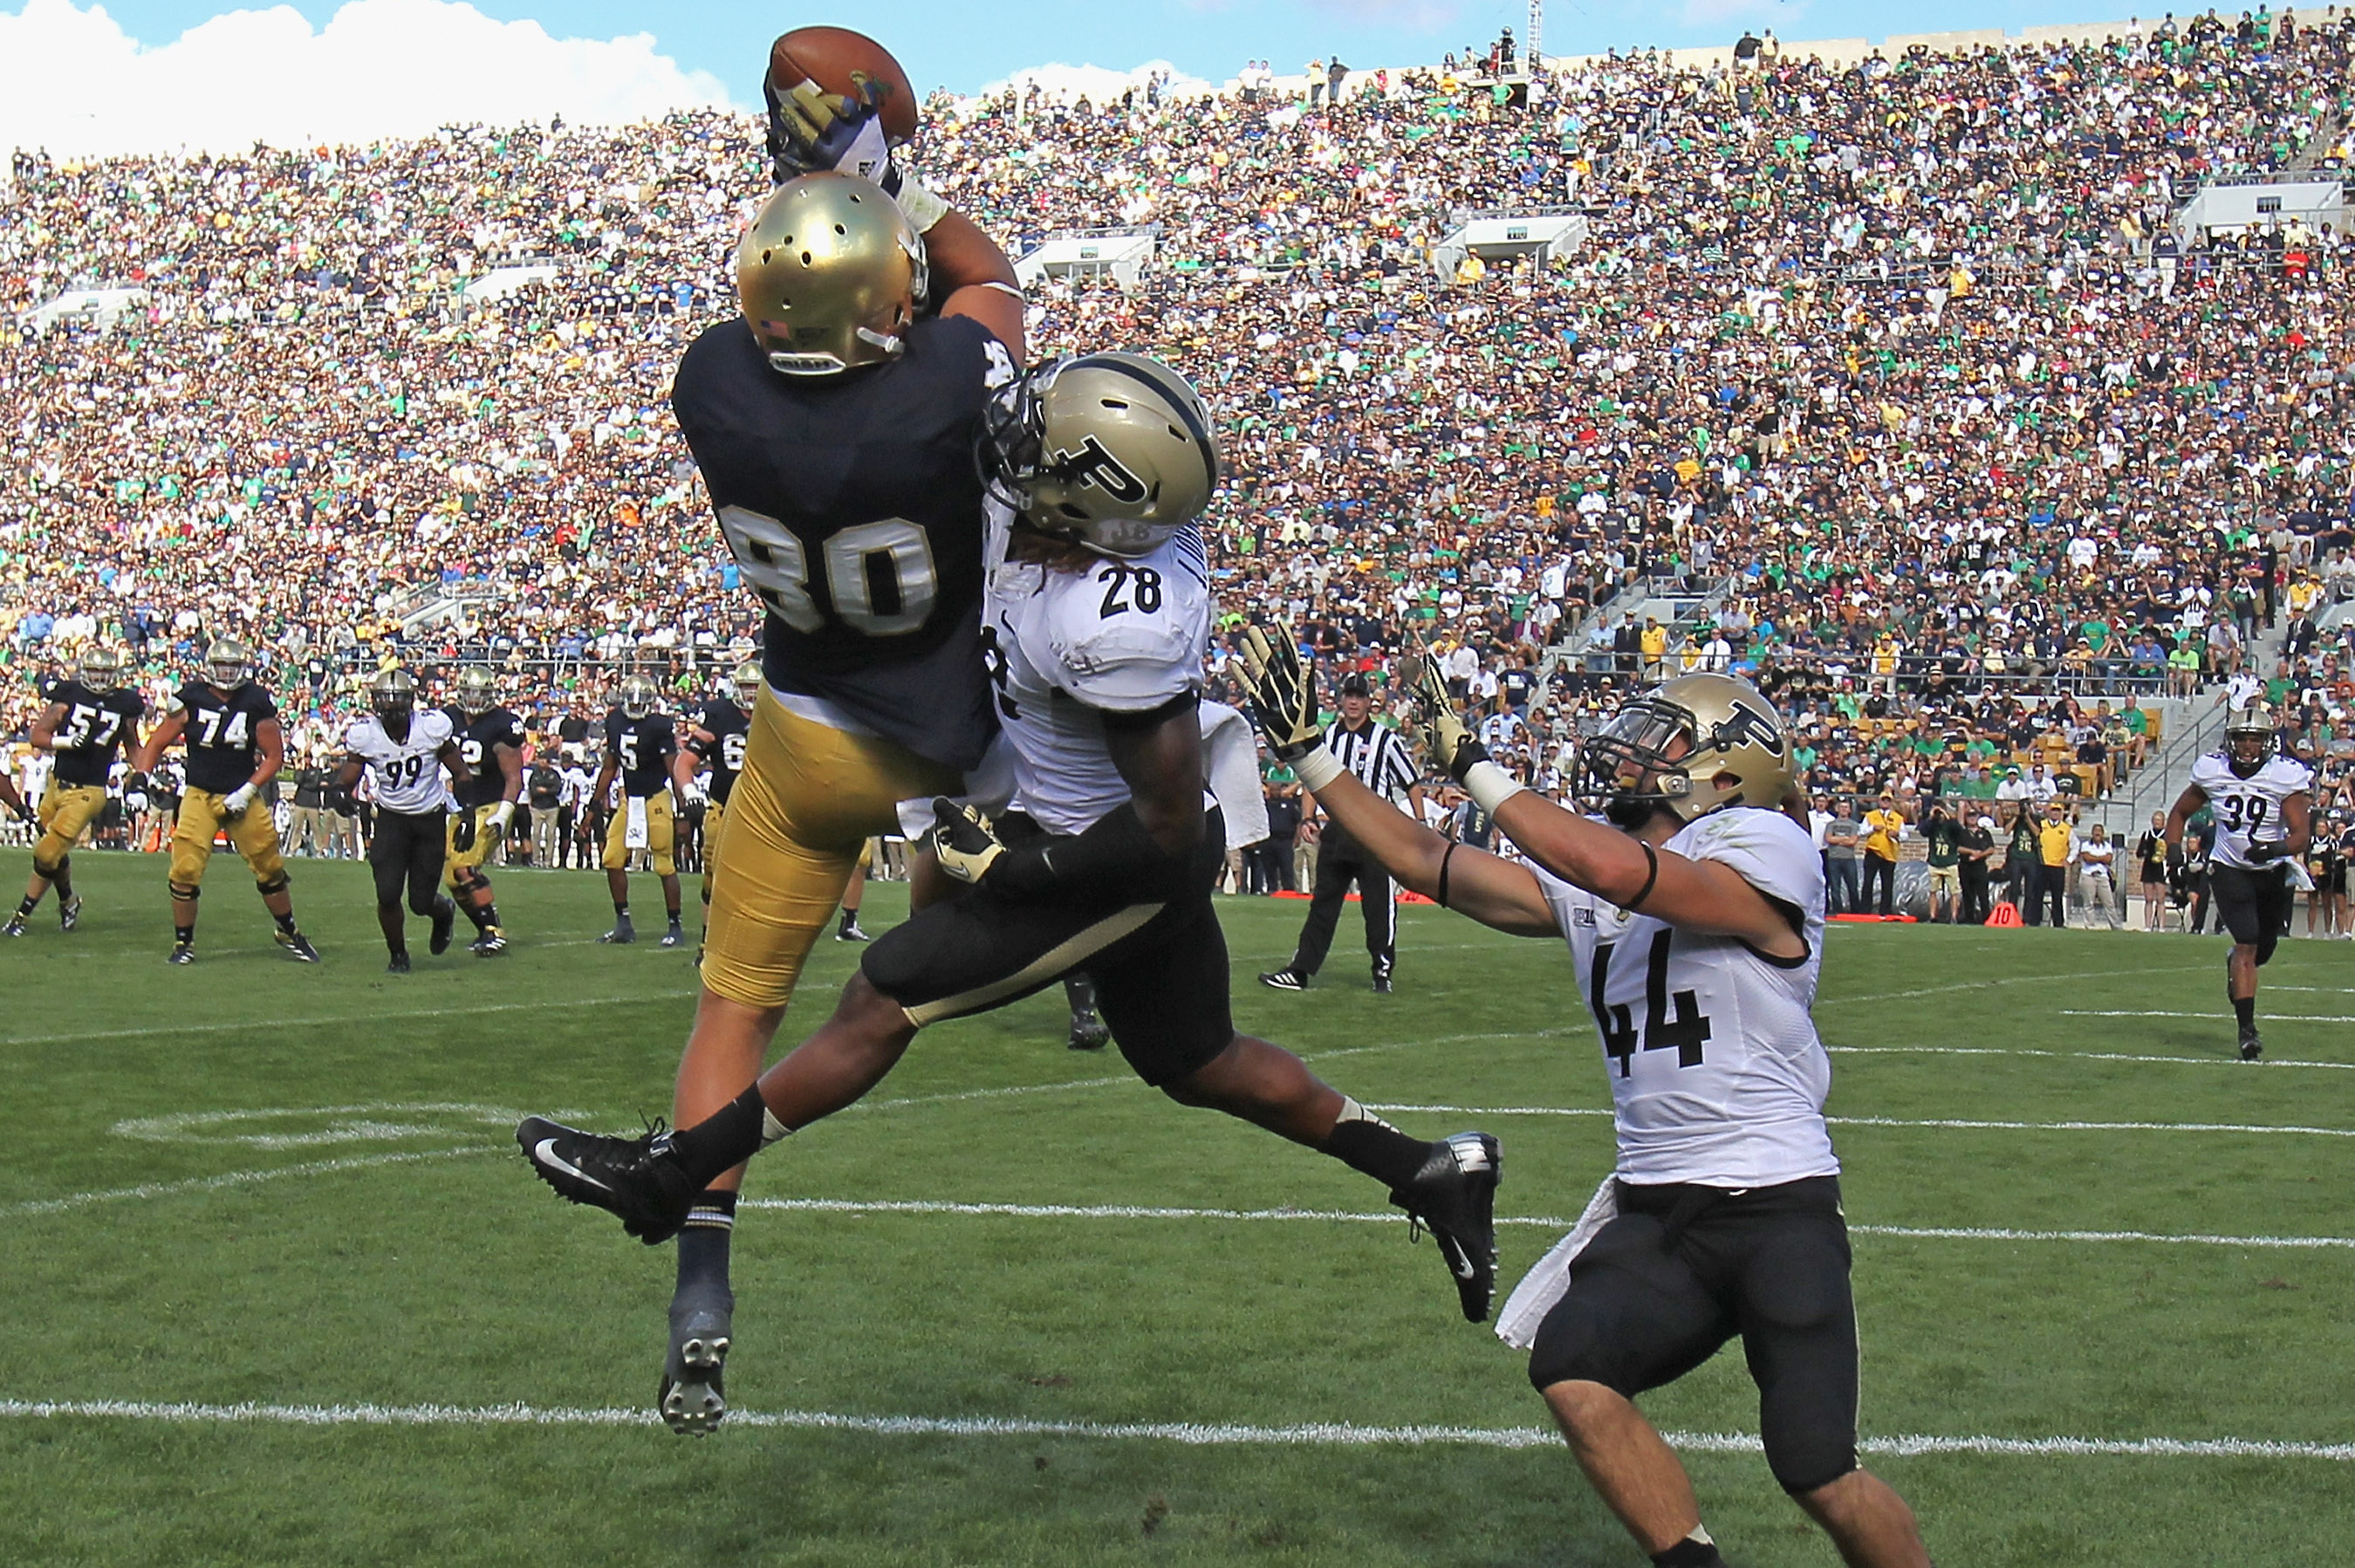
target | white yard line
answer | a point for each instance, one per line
(154, 1189)
(1335, 1435)
(2232, 1061)
(2017, 980)
(2217, 1017)
(1912, 1122)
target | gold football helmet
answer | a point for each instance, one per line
(392, 694)
(100, 668)
(830, 276)
(2250, 737)
(637, 697)
(748, 680)
(1697, 744)
(227, 663)
(477, 692)
(1114, 450)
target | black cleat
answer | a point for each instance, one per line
(1089, 1031)
(183, 952)
(1286, 979)
(69, 913)
(15, 926)
(1454, 1197)
(490, 944)
(398, 965)
(1381, 984)
(850, 932)
(692, 1399)
(298, 947)
(621, 934)
(445, 920)
(2251, 1046)
(633, 1178)
(676, 936)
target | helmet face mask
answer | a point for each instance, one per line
(748, 679)
(477, 693)
(100, 670)
(637, 697)
(830, 276)
(2249, 739)
(1113, 452)
(227, 664)
(1691, 747)
(392, 697)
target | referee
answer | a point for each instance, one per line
(1380, 762)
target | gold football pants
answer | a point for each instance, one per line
(660, 836)
(66, 813)
(255, 834)
(808, 799)
(460, 861)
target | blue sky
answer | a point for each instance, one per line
(961, 44)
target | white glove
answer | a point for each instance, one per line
(135, 802)
(688, 794)
(501, 815)
(233, 804)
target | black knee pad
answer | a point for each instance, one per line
(1568, 1349)
(191, 894)
(1805, 1464)
(51, 874)
(277, 884)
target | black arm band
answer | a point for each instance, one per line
(1651, 876)
(1116, 855)
(1451, 847)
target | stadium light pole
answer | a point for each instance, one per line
(1533, 51)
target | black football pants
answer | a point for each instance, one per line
(1340, 862)
(409, 850)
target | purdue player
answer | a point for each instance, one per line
(490, 738)
(2261, 801)
(718, 741)
(405, 752)
(235, 747)
(639, 746)
(1098, 624)
(83, 723)
(1695, 915)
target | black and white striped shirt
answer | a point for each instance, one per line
(1378, 756)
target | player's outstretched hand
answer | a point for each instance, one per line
(812, 131)
(1282, 693)
(964, 839)
(1449, 740)
(462, 831)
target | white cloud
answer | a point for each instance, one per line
(73, 81)
(1097, 83)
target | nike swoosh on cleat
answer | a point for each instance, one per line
(1464, 1270)
(544, 1153)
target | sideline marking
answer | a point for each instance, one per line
(1908, 1122)
(2074, 1055)
(2270, 1018)
(232, 1178)
(1544, 1222)
(188, 1127)
(1336, 1435)
(2018, 980)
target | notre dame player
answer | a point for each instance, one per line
(717, 739)
(490, 738)
(833, 422)
(639, 745)
(235, 748)
(2261, 800)
(85, 720)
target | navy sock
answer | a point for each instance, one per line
(1366, 1143)
(285, 921)
(723, 1140)
(2245, 1010)
(703, 1241)
(185, 935)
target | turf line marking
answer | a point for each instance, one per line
(252, 1023)
(2074, 1055)
(2269, 1019)
(232, 1178)
(1907, 1121)
(2017, 980)
(1534, 1221)
(1332, 1434)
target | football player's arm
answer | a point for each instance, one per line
(1161, 762)
(2297, 823)
(683, 760)
(973, 278)
(455, 759)
(269, 740)
(2193, 798)
(158, 739)
(347, 776)
(1491, 889)
(1701, 896)
(45, 728)
(511, 764)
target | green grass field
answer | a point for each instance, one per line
(255, 1183)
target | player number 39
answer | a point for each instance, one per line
(776, 562)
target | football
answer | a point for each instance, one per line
(840, 61)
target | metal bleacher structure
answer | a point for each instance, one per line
(1119, 254)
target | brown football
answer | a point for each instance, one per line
(839, 61)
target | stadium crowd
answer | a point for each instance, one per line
(1893, 373)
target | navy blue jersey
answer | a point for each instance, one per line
(642, 750)
(854, 510)
(478, 741)
(95, 725)
(223, 733)
(729, 730)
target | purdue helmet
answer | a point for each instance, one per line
(477, 692)
(748, 679)
(392, 694)
(830, 276)
(637, 697)
(1111, 451)
(100, 668)
(227, 663)
(1705, 742)
(2248, 738)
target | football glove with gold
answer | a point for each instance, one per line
(1452, 746)
(964, 839)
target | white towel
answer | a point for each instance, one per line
(1547, 1284)
(1231, 767)
(633, 833)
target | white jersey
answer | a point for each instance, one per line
(1717, 1075)
(407, 773)
(2248, 811)
(1067, 647)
